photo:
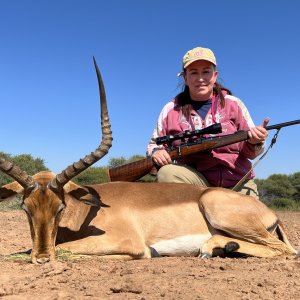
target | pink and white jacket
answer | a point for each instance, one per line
(223, 166)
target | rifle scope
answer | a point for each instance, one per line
(168, 139)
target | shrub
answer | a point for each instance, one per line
(92, 175)
(284, 204)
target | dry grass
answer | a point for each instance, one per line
(61, 255)
(16, 257)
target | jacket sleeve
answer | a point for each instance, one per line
(160, 129)
(245, 122)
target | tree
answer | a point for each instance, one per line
(92, 175)
(280, 191)
(116, 162)
(295, 181)
(276, 186)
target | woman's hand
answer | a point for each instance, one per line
(258, 134)
(161, 157)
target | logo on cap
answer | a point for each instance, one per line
(198, 54)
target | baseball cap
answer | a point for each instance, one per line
(198, 53)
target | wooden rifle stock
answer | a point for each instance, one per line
(140, 168)
(131, 171)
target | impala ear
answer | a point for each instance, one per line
(10, 190)
(84, 194)
(90, 199)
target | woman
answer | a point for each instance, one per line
(204, 102)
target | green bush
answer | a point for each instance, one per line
(116, 162)
(147, 178)
(92, 175)
(295, 180)
(280, 191)
(285, 204)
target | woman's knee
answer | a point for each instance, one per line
(167, 173)
(180, 174)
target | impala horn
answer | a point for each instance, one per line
(16, 173)
(76, 168)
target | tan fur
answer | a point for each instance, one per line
(132, 217)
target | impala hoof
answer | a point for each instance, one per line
(154, 253)
(231, 246)
(205, 255)
(42, 259)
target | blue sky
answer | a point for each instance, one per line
(48, 88)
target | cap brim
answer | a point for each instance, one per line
(190, 62)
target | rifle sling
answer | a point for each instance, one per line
(239, 184)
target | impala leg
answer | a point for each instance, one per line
(244, 218)
(231, 245)
(235, 214)
(113, 248)
(280, 231)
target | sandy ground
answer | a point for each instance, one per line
(158, 278)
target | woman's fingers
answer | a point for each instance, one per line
(258, 134)
(161, 157)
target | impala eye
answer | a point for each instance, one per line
(24, 207)
(61, 208)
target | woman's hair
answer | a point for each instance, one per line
(184, 100)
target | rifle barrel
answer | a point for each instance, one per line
(280, 125)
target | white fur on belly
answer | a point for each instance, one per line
(187, 245)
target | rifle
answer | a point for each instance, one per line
(191, 142)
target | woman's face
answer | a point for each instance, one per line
(200, 76)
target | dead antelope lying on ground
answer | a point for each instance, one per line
(139, 220)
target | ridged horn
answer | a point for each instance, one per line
(76, 168)
(17, 174)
